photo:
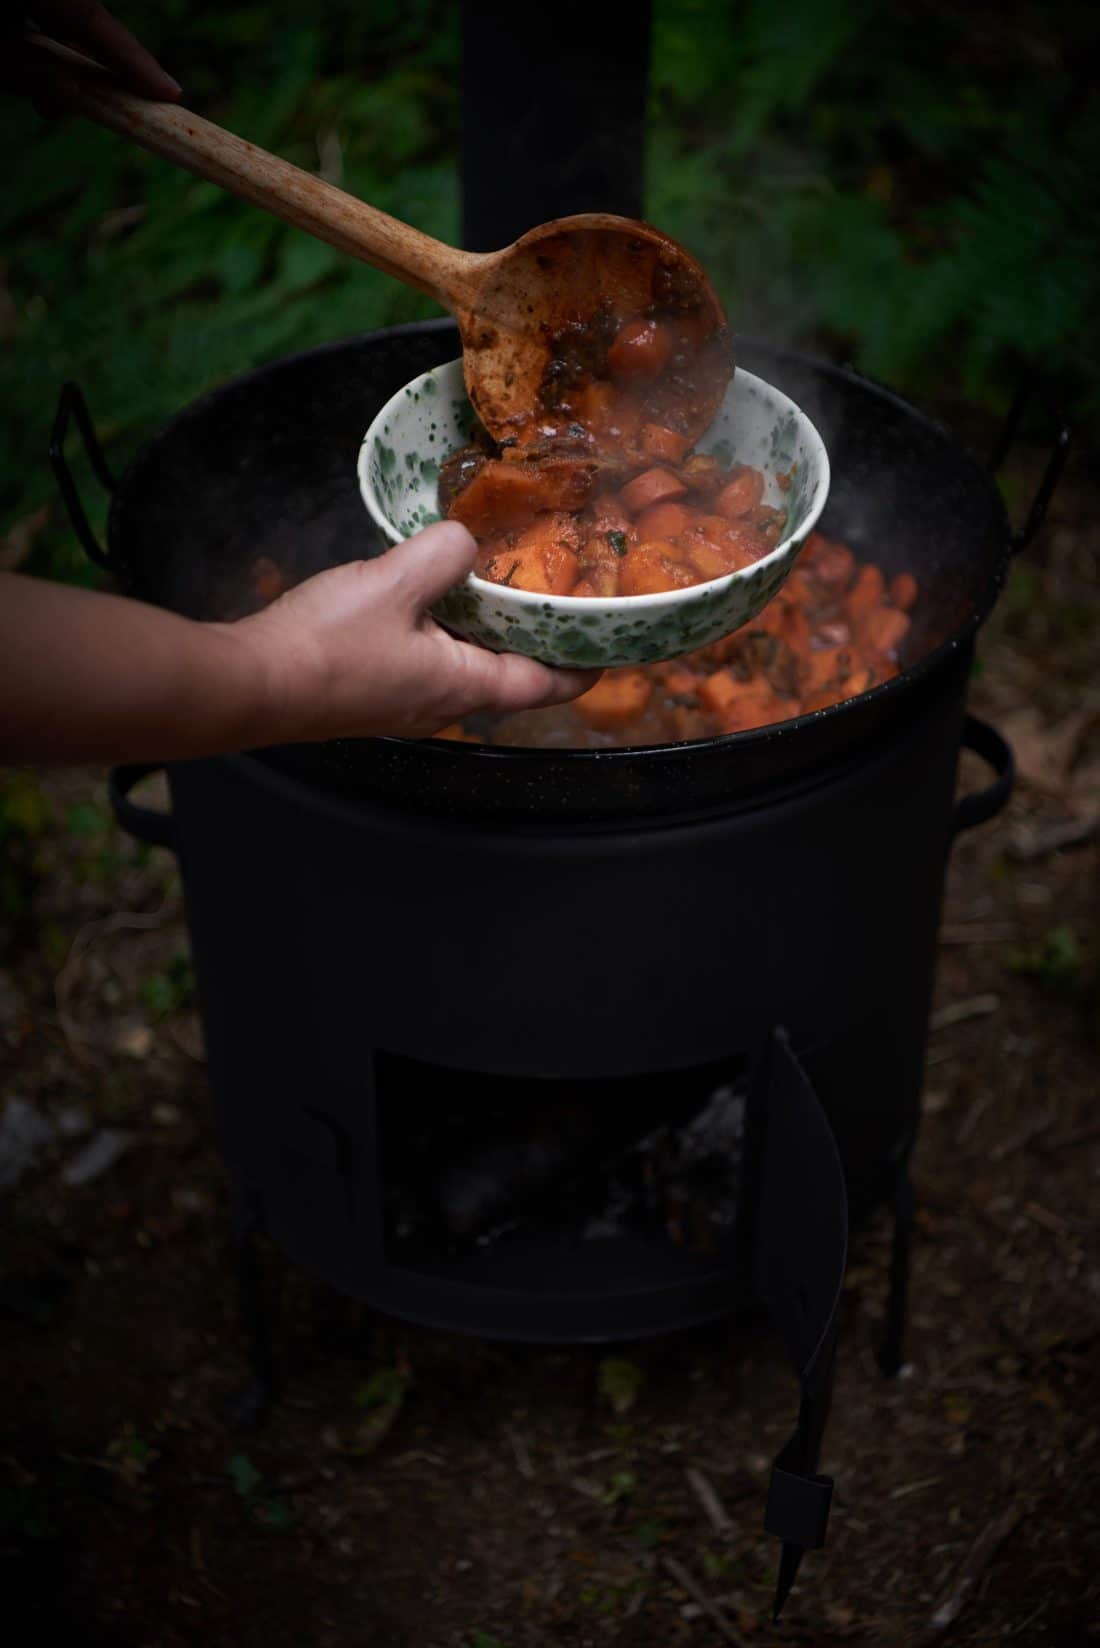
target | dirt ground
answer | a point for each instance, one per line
(417, 1491)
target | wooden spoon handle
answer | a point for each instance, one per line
(446, 274)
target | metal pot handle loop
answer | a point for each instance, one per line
(73, 405)
(148, 824)
(987, 742)
(1052, 474)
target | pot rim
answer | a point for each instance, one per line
(756, 737)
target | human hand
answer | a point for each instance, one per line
(88, 27)
(354, 652)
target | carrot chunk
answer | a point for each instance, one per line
(653, 486)
(866, 593)
(652, 568)
(615, 700)
(664, 445)
(904, 590)
(640, 350)
(711, 560)
(886, 629)
(662, 521)
(744, 492)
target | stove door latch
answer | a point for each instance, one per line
(800, 1249)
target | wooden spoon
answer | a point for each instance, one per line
(510, 305)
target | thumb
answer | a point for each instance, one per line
(434, 561)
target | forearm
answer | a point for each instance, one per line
(93, 677)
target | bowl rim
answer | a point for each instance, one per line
(609, 603)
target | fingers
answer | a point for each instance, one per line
(434, 561)
(507, 682)
(87, 25)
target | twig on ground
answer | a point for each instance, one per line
(709, 1500)
(1009, 1146)
(522, 1453)
(973, 1567)
(974, 1115)
(977, 932)
(908, 1488)
(687, 1582)
(957, 1012)
(1049, 1221)
(1025, 846)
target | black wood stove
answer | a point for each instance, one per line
(565, 1044)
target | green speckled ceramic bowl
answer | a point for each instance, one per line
(424, 422)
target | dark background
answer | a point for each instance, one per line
(912, 187)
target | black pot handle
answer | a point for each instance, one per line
(1055, 464)
(73, 405)
(146, 824)
(987, 742)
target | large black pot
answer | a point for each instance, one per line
(267, 464)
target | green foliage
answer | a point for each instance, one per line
(165, 993)
(244, 1475)
(619, 1382)
(149, 287)
(922, 195)
(1056, 964)
(384, 1387)
(914, 188)
(619, 1489)
(24, 817)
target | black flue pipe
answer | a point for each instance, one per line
(553, 122)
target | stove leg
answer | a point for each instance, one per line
(891, 1354)
(249, 1406)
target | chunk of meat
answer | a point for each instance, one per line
(456, 473)
(502, 496)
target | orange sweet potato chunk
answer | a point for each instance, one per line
(618, 697)
(744, 492)
(652, 568)
(503, 496)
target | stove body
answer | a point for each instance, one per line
(367, 974)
